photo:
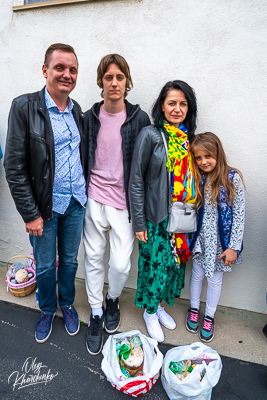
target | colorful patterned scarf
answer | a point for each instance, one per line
(182, 179)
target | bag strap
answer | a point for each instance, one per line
(165, 143)
(168, 172)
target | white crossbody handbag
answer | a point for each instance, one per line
(182, 216)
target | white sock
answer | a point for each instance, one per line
(108, 297)
(97, 311)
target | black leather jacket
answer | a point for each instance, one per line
(30, 156)
(148, 185)
(135, 121)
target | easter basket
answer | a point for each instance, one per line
(22, 289)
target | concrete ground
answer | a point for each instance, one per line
(66, 371)
(238, 333)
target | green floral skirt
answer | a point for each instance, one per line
(158, 277)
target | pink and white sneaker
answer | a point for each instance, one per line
(206, 333)
(192, 320)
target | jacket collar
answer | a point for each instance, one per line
(43, 109)
(131, 109)
(41, 102)
(42, 106)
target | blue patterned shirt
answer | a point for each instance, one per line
(69, 179)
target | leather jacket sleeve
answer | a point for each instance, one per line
(17, 164)
(145, 121)
(141, 157)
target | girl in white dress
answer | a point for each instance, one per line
(218, 241)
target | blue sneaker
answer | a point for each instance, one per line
(71, 319)
(44, 327)
(192, 320)
(206, 333)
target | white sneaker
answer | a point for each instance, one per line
(153, 327)
(165, 319)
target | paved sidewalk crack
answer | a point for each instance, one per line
(230, 387)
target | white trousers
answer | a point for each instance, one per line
(213, 291)
(100, 219)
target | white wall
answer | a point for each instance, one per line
(218, 47)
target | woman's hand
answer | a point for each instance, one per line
(230, 256)
(142, 236)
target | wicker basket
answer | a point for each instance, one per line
(21, 289)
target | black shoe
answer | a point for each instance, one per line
(113, 316)
(264, 330)
(94, 336)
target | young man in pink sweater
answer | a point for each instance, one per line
(111, 128)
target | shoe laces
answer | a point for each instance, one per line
(193, 316)
(152, 319)
(207, 324)
(44, 321)
(112, 307)
(95, 325)
(161, 312)
(68, 314)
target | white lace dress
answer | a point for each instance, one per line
(208, 245)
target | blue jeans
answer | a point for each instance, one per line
(64, 229)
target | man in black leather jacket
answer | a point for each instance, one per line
(44, 168)
(111, 128)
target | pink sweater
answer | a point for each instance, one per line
(107, 177)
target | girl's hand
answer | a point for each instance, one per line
(142, 236)
(230, 256)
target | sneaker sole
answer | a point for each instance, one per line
(206, 340)
(95, 354)
(166, 326)
(74, 333)
(153, 337)
(114, 330)
(47, 337)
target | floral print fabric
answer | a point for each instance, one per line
(158, 276)
(208, 245)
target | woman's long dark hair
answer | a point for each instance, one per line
(191, 118)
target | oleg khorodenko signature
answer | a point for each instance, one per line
(31, 374)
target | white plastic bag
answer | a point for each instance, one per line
(135, 386)
(190, 388)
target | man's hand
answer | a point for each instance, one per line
(230, 256)
(142, 236)
(35, 227)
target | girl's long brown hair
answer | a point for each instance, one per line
(209, 142)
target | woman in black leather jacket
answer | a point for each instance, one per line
(162, 256)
